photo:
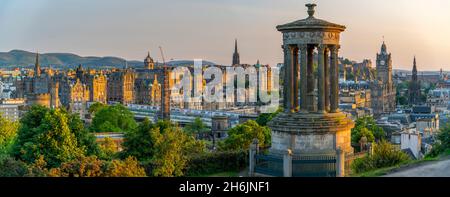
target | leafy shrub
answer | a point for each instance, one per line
(384, 155)
(209, 163)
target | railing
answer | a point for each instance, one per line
(314, 166)
(269, 165)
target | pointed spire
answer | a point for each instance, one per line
(37, 66)
(236, 59)
(415, 65)
(383, 47)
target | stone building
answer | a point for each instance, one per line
(97, 84)
(74, 95)
(414, 87)
(382, 89)
(36, 87)
(42, 99)
(79, 96)
(311, 127)
(120, 86)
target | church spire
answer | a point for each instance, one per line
(37, 66)
(415, 66)
(236, 60)
(383, 48)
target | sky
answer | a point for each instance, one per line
(206, 29)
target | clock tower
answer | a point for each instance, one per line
(384, 65)
(383, 89)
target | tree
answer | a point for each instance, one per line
(9, 167)
(402, 100)
(94, 167)
(197, 127)
(163, 145)
(367, 127)
(444, 137)
(172, 149)
(108, 149)
(46, 133)
(8, 133)
(81, 167)
(139, 143)
(94, 108)
(168, 159)
(265, 118)
(241, 136)
(116, 118)
(85, 139)
(128, 168)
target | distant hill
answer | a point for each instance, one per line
(20, 58)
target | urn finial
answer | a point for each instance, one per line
(311, 10)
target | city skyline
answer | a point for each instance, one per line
(112, 28)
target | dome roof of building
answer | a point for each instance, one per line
(310, 23)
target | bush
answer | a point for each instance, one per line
(209, 163)
(9, 167)
(442, 146)
(384, 155)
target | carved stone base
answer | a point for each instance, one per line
(309, 133)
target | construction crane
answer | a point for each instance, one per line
(165, 92)
(162, 56)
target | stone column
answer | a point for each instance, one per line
(287, 79)
(340, 162)
(327, 79)
(334, 79)
(303, 77)
(321, 79)
(310, 78)
(252, 157)
(287, 163)
(296, 77)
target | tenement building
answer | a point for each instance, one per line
(383, 88)
(121, 86)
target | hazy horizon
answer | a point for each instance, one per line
(207, 28)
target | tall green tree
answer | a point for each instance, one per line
(46, 133)
(367, 127)
(265, 118)
(8, 133)
(116, 118)
(241, 136)
(139, 142)
(94, 108)
(85, 138)
(163, 145)
(197, 127)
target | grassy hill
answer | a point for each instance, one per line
(20, 58)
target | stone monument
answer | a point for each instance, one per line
(311, 124)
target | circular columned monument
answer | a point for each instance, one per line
(311, 122)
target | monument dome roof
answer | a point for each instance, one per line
(310, 23)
